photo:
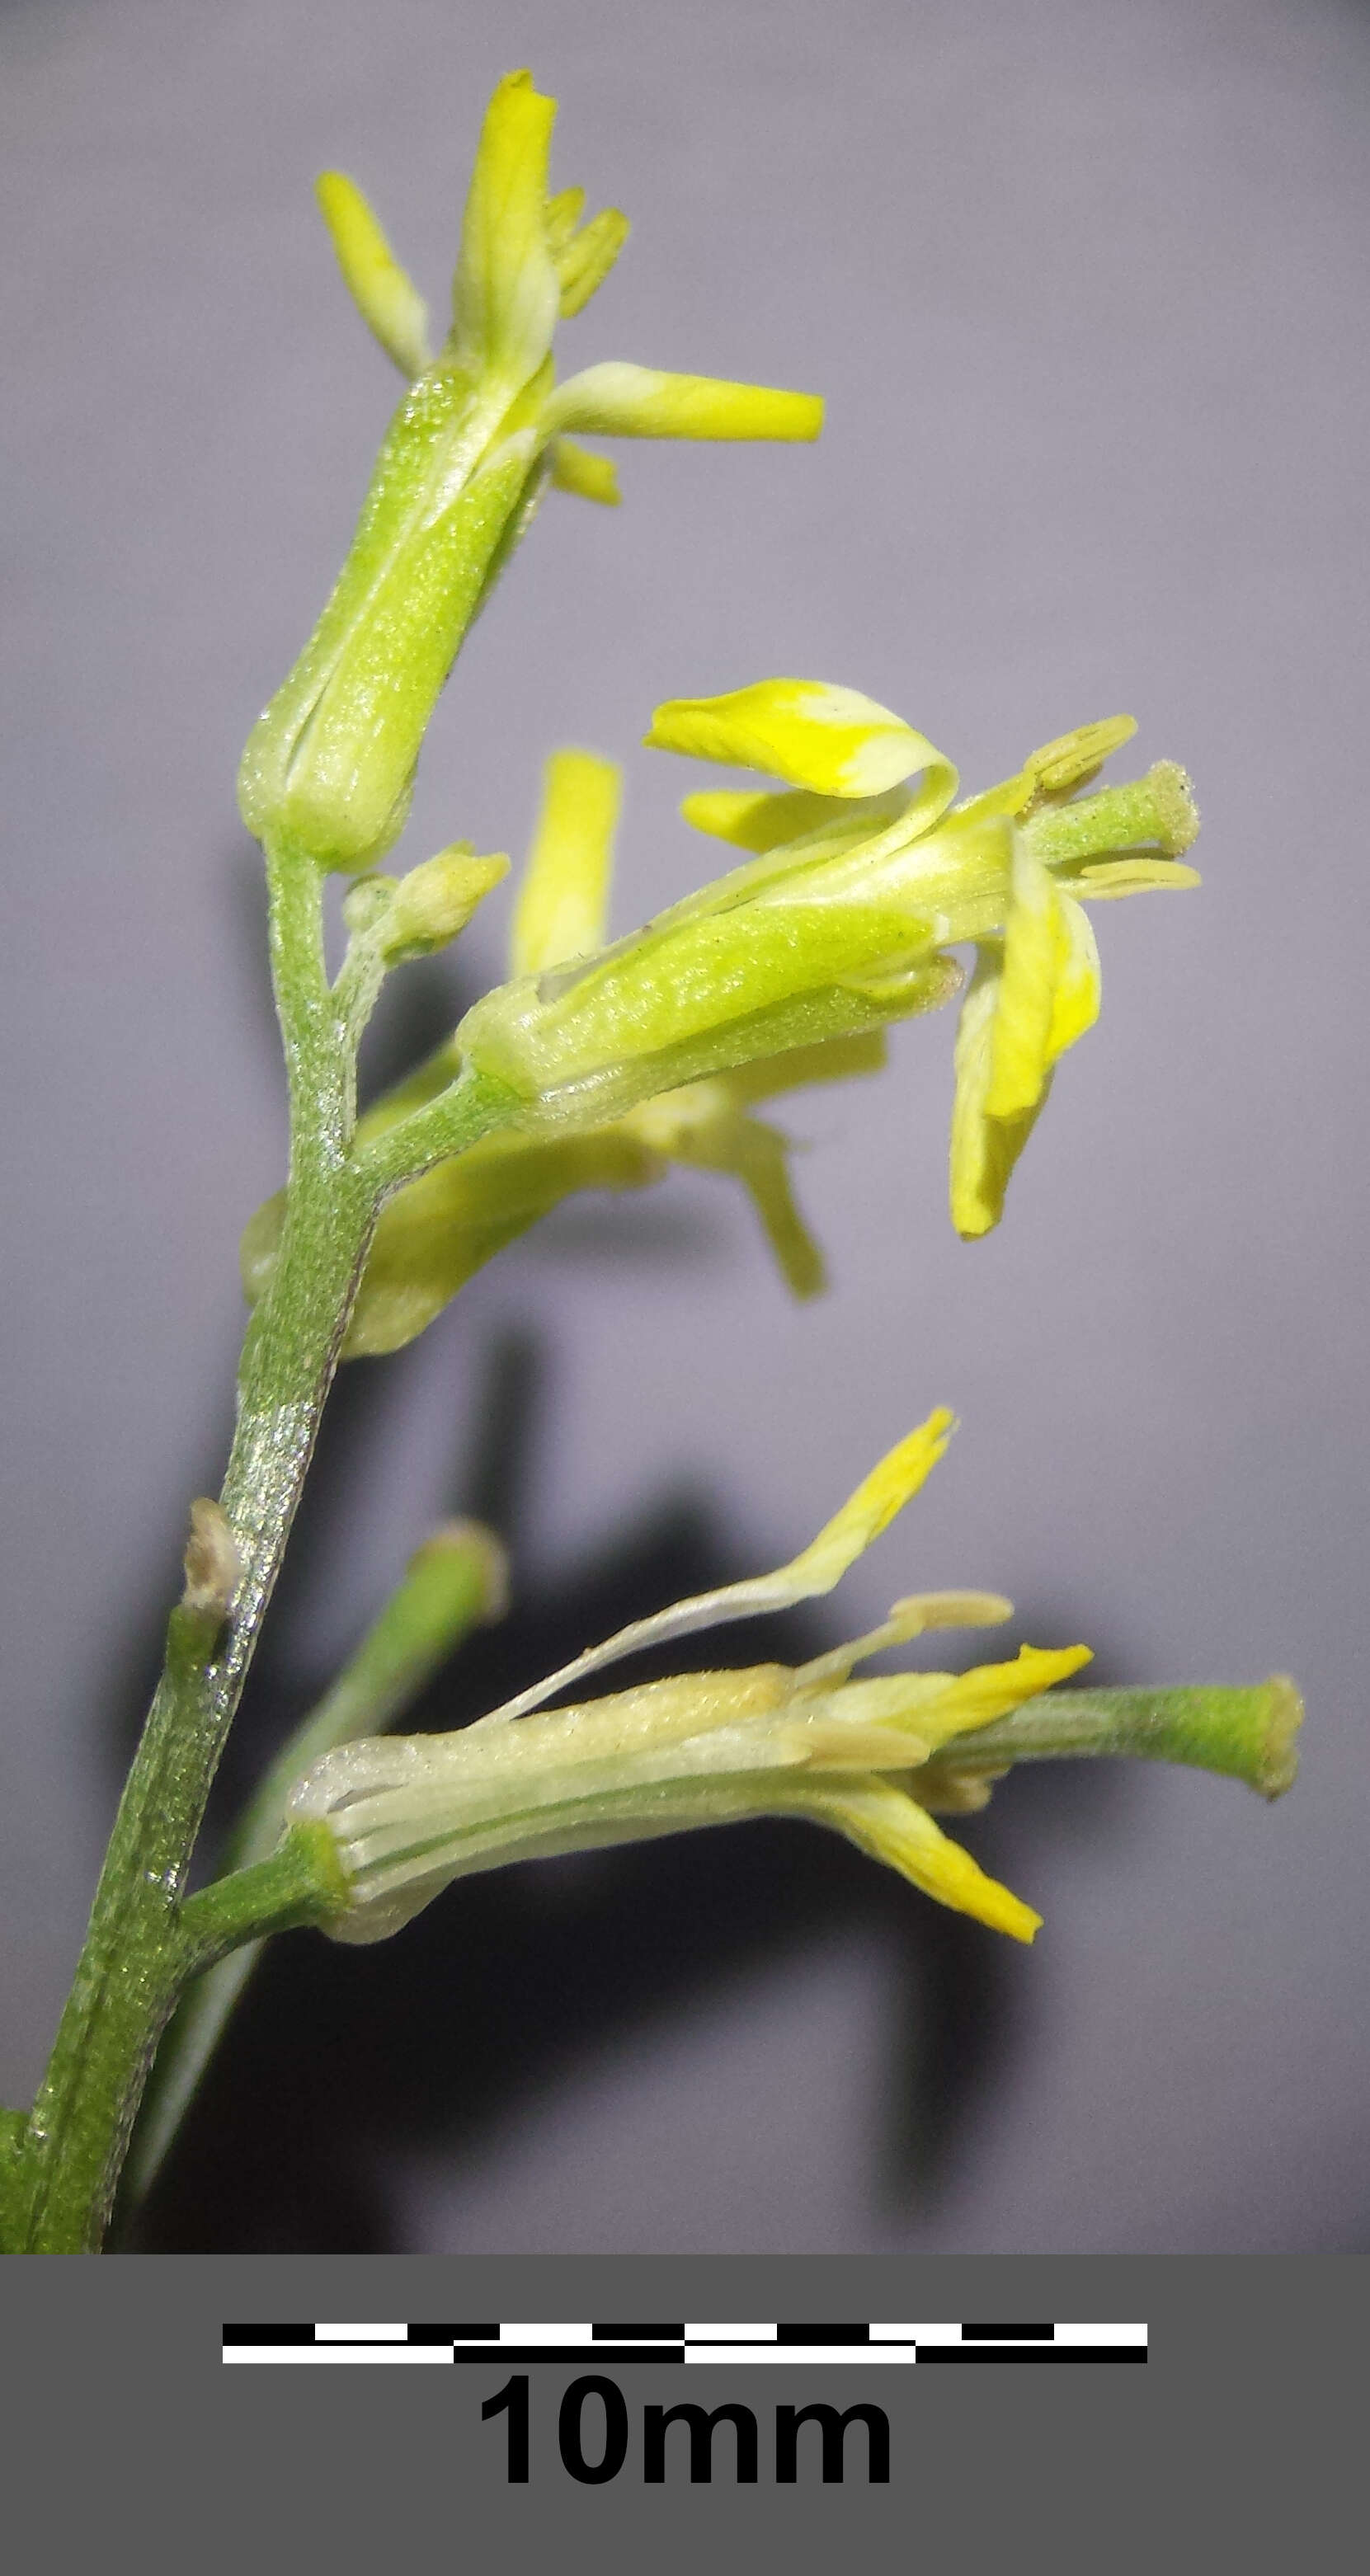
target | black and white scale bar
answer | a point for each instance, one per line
(826, 2342)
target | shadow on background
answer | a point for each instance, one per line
(338, 2056)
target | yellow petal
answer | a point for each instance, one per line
(1048, 991)
(561, 906)
(1075, 1003)
(506, 293)
(984, 1150)
(385, 296)
(831, 740)
(760, 821)
(893, 1828)
(622, 401)
(593, 478)
(868, 1511)
(966, 1700)
(816, 1569)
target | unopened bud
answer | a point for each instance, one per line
(435, 901)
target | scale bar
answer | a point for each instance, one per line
(794, 2343)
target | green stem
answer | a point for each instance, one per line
(134, 1960)
(455, 1580)
(300, 1883)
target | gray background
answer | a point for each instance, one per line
(338, 2457)
(1084, 287)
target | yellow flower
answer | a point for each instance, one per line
(407, 1816)
(864, 872)
(328, 769)
(658, 1049)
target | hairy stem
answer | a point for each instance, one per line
(136, 1959)
(453, 1582)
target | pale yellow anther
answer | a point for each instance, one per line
(832, 741)
(918, 1615)
(563, 212)
(1073, 758)
(564, 896)
(1104, 880)
(385, 295)
(585, 259)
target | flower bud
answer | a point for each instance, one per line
(435, 902)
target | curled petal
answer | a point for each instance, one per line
(762, 820)
(833, 741)
(759, 821)
(385, 295)
(618, 400)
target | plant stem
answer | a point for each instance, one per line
(135, 1959)
(131, 1967)
(454, 1581)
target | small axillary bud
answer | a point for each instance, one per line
(213, 1567)
(434, 902)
